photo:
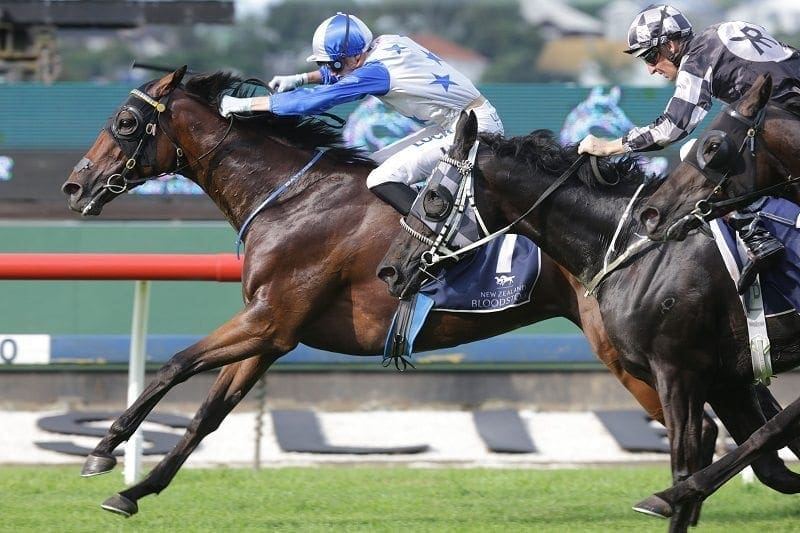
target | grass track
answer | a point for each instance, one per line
(56, 499)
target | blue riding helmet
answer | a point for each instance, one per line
(338, 37)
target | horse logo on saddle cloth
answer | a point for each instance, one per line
(489, 275)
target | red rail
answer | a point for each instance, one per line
(205, 267)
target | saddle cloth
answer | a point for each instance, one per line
(497, 276)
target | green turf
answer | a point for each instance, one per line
(56, 499)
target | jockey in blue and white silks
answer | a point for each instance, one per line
(403, 75)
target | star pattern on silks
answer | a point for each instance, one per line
(433, 57)
(444, 81)
(396, 48)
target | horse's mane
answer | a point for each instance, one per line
(301, 132)
(540, 151)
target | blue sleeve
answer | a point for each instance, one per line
(371, 78)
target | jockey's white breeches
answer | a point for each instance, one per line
(413, 158)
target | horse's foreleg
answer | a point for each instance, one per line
(683, 396)
(234, 341)
(232, 384)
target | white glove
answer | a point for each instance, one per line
(230, 105)
(281, 84)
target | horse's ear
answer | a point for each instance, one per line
(462, 120)
(465, 133)
(166, 84)
(756, 97)
(471, 127)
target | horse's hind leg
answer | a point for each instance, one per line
(741, 413)
(738, 411)
(234, 341)
(232, 384)
(772, 436)
(770, 407)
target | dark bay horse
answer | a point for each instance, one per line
(748, 150)
(311, 256)
(672, 311)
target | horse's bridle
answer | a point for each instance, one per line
(439, 246)
(718, 172)
(132, 143)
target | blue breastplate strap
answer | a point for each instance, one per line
(274, 196)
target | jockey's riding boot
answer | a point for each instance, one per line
(396, 194)
(763, 250)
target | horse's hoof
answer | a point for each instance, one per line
(654, 506)
(120, 505)
(98, 464)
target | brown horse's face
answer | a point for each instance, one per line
(732, 158)
(129, 150)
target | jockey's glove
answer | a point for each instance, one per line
(281, 84)
(231, 105)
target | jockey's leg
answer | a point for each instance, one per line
(396, 194)
(408, 161)
(763, 249)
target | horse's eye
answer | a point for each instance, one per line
(126, 123)
(716, 154)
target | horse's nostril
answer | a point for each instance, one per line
(387, 273)
(70, 188)
(650, 217)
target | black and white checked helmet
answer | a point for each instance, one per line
(654, 26)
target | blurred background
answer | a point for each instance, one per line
(65, 66)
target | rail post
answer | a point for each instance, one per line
(136, 363)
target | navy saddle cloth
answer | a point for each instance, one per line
(497, 276)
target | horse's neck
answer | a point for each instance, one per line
(783, 135)
(241, 180)
(575, 226)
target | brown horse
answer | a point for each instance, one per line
(749, 150)
(671, 311)
(311, 256)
